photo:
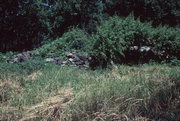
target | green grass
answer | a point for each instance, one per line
(40, 91)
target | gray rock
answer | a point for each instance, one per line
(70, 54)
(77, 59)
(145, 49)
(49, 59)
(21, 57)
(134, 48)
(54, 60)
(80, 63)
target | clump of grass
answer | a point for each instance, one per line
(128, 92)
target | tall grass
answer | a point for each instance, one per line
(133, 91)
(64, 93)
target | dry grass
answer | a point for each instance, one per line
(8, 90)
(33, 76)
(53, 107)
(47, 108)
(4, 83)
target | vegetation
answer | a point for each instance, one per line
(121, 93)
(115, 36)
(32, 22)
(75, 39)
(113, 39)
(96, 36)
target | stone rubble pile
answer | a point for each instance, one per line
(75, 59)
(83, 60)
(21, 57)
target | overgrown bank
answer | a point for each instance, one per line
(121, 40)
(116, 40)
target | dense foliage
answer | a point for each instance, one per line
(116, 36)
(26, 24)
(73, 40)
(159, 11)
(114, 41)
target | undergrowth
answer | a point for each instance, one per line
(114, 38)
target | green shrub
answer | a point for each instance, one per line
(55, 48)
(166, 42)
(114, 37)
(1, 57)
(74, 39)
(175, 62)
(77, 39)
(4, 56)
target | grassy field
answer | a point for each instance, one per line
(37, 91)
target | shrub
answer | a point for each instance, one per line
(166, 42)
(77, 39)
(74, 39)
(4, 56)
(114, 37)
(55, 48)
(175, 62)
(1, 57)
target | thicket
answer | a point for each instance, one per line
(27, 24)
(113, 40)
(116, 36)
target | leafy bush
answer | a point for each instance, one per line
(1, 57)
(175, 62)
(114, 37)
(55, 48)
(74, 39)
(77, 39)
(166, 42)
(4, 56)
